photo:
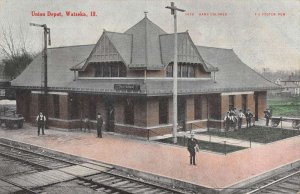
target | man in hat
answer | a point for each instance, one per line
(41, 120)
(99, 125)
(192, 147)
(249, 117)
(240, 119)
(267, 116)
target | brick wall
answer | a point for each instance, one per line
(251, 103)
(152, 111)
(190, 108)
(64, 107)
(238, 102)
(34, 105)
(23, 100)
(224, 105)
(140, 112)
(204, 106)
(262, 103)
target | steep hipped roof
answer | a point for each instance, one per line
(60, 60)
(233, 73)
(145, 45)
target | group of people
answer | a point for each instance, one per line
(234, 117)
(41, 124)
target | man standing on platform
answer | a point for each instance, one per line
(249, 117)
(192, 147)
(267, 116)
(99, 125)
(41, 120)
(240, 119)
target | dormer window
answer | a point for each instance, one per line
(183, 70)
(110, 70)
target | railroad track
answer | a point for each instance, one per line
(39, 160)
(288, 182)
(102, 179)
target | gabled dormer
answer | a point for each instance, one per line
(144, 50)
(109, 57)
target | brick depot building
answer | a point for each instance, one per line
(128, 78)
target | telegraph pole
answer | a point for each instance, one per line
(174, 10)
(46, 32)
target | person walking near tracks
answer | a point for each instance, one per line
(192, 147)
(99, 125)
(41, 121)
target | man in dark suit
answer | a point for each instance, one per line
(267, 116)
(41, 120)
(249, 117)
(192, 146)
(99, 125)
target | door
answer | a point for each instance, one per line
(181, 114)
(110, 114)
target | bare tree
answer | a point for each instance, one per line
(14, 48)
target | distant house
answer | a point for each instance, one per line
(291, 86)
(5, 90)
(128, 78)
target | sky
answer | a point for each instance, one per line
(263, 33)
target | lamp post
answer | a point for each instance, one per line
(174, 10)
(46, 32)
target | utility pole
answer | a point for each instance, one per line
(45, 101)
(174, 10)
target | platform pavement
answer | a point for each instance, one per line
(212, 170)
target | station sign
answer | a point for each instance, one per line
(127, 87)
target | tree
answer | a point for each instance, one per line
(16, 64)
(17, 57)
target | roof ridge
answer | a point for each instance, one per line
(173, 33)
(214, 47)
(71, 46)
(118, 32)
(145, 19)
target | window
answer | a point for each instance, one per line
(191, 71)
(114, 71)
(170, 70)
(110, 70)
(99, 71)
(178, 70)
(122, 71)
(244, 102)
(129, 112)
(56, 106)
(106, 71)
(163, 111)
(231, 102)
(198, 107)
(184, 69)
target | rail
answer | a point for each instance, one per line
(120, 189)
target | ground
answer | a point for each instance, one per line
(285, 106)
